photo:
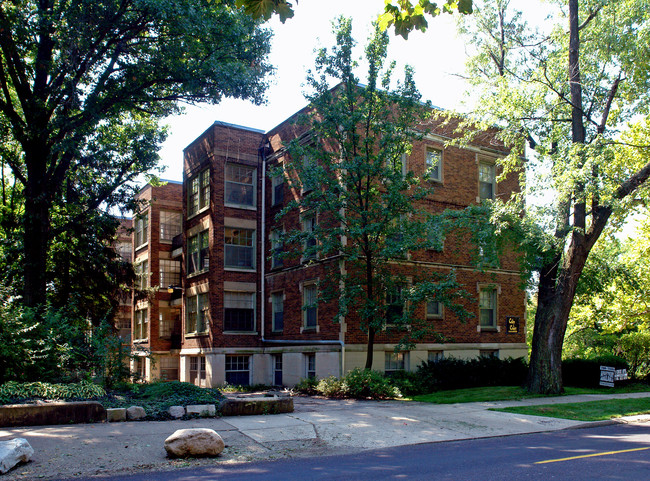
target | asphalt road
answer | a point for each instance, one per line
(618, 452)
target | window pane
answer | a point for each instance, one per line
(433, 161)
(239, 248)
(170, 225)
(239, 185)
(239, 311)
(434, 309)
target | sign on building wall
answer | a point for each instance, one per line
(512, 325)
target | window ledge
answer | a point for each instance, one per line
(315, 329)
(141, 246)
(141, 341)
(240, 206)
(197, 273)
(488, 329)
(240, 333)
(435, 318)
(197, 213)
(240, 269)
(195, 334)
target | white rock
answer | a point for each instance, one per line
(14, 451)
(194, 442)
(205, 410)
(134, 413)
(176, 411)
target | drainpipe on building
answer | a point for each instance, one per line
(261, 152)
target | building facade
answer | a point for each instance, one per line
(238, 314)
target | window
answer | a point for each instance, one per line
(308, 174)
(170, 225)
(124, 250)
(141, 328)
(197, 370)
(488, 307)
(168, 322)
(435, 356)
(170, 273)
(238, 370)
(276, 249)
(198, 248)
(239, 311)
(310, 306)
(240, 185)
(141, 368)
(198, 192)
(196, 317)
(309, 245)
(239, 248)
(394, 305)
(486, 180)
(277, 189)
(169, 368)
(434, 164)
(141, 229)
(277, 369)
(394, 361)
(142, 275)
(489, 353)
(434, 310)
(277, 306)
(310, 365)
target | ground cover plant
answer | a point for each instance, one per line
(587, 411)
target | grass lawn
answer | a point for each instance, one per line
(587, 411)
(509, 393)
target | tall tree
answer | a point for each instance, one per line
(83, 86)
(568, 93)
(367, 205)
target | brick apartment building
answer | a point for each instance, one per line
(238, 314)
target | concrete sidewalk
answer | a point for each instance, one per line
(317, 427)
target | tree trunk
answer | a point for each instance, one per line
(36, 238)
(371, 347)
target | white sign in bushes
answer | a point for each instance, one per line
(608, 375)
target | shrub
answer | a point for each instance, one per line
(452, 373)
(307, 386)
(332, 387)
(368, 384)
(408, 383)
(586, 372)
(14, 392)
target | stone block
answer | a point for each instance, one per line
(114, 415)
(135, 413)
(14, 451)
(203, 410)
(256, 405)
(176, 412)
(52, 413)
(194, 442)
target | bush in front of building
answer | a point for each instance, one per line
(13, 392)
(357, 384)
(579, 372)
(452, 373)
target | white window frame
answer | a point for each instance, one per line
(198, 186)
(310, 365)
(493, 182)
(277, 181)
(170, 273)
(141, 234)
(395, 361)
(167, 318)
(141, 324)
(435, 355)
(439, 314)
(309, 223)
(494, 290)
(237, 297)
(306, 288)
(277, 297)
(253, 232)
(430, 166)
(199, 306)
(195, 247)
(142, 275)
(198, 366)
(235, 183)
(169, 228)
(237, 358)
(277, 247)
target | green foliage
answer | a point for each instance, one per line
(13, 392)
(451, 373)
(331, 387)
(368, 207)
(156, 398)
(307, 385)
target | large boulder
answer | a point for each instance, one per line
(14, 451)
(176, 412)
(134, 413)
(194, 442)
